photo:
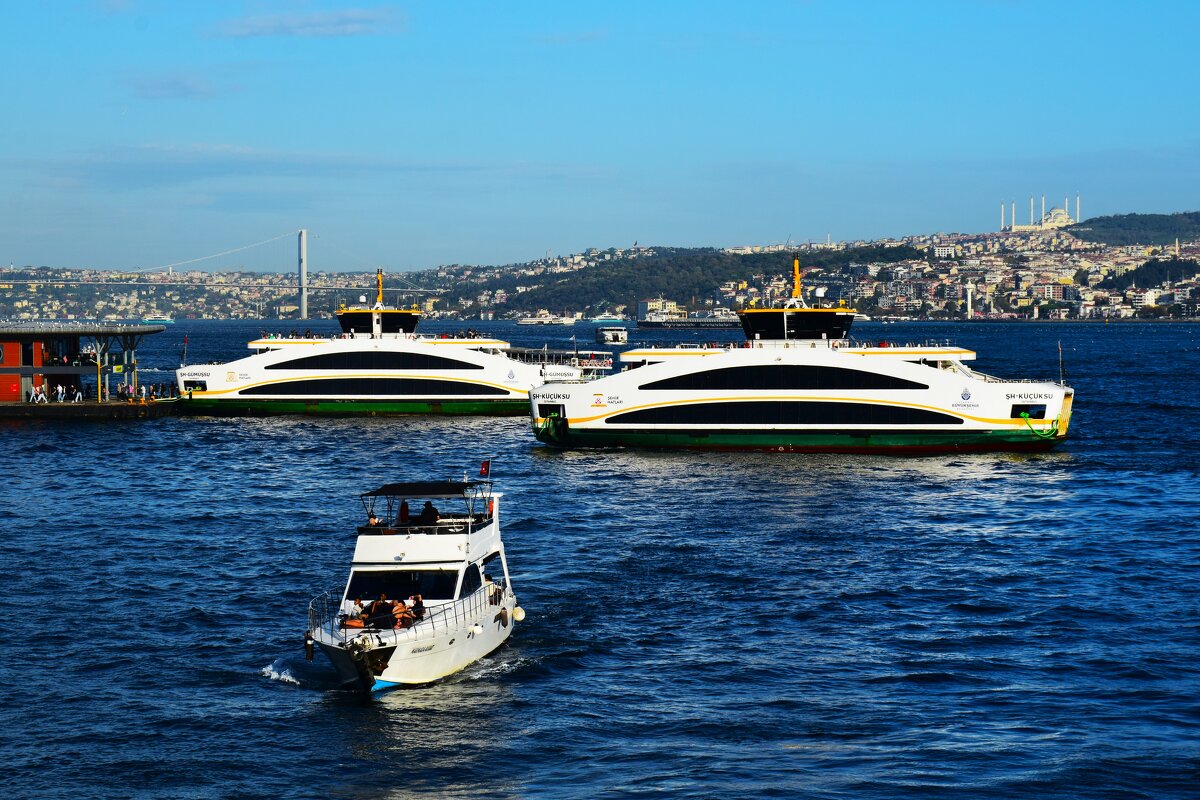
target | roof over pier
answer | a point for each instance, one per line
(76, 329)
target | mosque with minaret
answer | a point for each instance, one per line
(1050, 220)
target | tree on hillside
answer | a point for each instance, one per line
(1153, 273)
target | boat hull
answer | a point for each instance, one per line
(242, 407)
(683, 324)
(414, 657)
(823, 441)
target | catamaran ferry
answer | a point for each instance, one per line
(799, 384)
(378, 365)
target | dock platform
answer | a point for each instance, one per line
(89, 410)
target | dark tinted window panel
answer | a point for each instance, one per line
(1034, 411)
(374, 360)
(402, 387)
(783, 412)
(397, 585)
(472, 580)
(783, 377)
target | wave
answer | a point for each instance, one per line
(278, 670)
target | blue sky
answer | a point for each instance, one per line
(139, 133)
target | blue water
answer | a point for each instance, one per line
(699, 624)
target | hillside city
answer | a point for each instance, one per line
(1036, 271)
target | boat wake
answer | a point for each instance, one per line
(494, 667)
(277, 670)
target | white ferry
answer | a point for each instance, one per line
(718, 317)
(378, 365)
(546, 319)
(798, 384)
(429, 590)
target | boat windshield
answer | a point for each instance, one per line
(401, 583)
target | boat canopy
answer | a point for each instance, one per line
(424, 489)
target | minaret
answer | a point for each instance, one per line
(1002, 216)
(1031, 211)
(1013, 217)
(1077, 217)
(1043, 219)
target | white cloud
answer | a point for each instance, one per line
(172, 86)
(346, 22)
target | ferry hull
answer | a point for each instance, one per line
(878, 442)
(250, 408)
(685, 324)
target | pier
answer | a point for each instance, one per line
(64, 370)
(90, 410)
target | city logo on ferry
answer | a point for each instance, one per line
(597, 400)
(966, 394)
(512, 375)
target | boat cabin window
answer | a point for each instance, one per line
(783, 377)
(472, 580)
(374, 360)
(401, 583)
(1034, 411)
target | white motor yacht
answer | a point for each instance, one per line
(429, 590)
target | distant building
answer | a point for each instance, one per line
(1050, 220)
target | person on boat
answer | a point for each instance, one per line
(404, 514)
(374, 521)
(403, 616)
(494, 593)
(356, 610)
(429, 514)
(379, 609)
(416, 606)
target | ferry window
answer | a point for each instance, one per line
(399, 584)
(372, 387)
(471, 581)
(783, 412)
(783, 377)
(374, 360)
(547, 410)
(201, 386)
(1034, 411)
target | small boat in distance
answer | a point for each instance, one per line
(158, 321)
(429, 590)
(612, 334)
